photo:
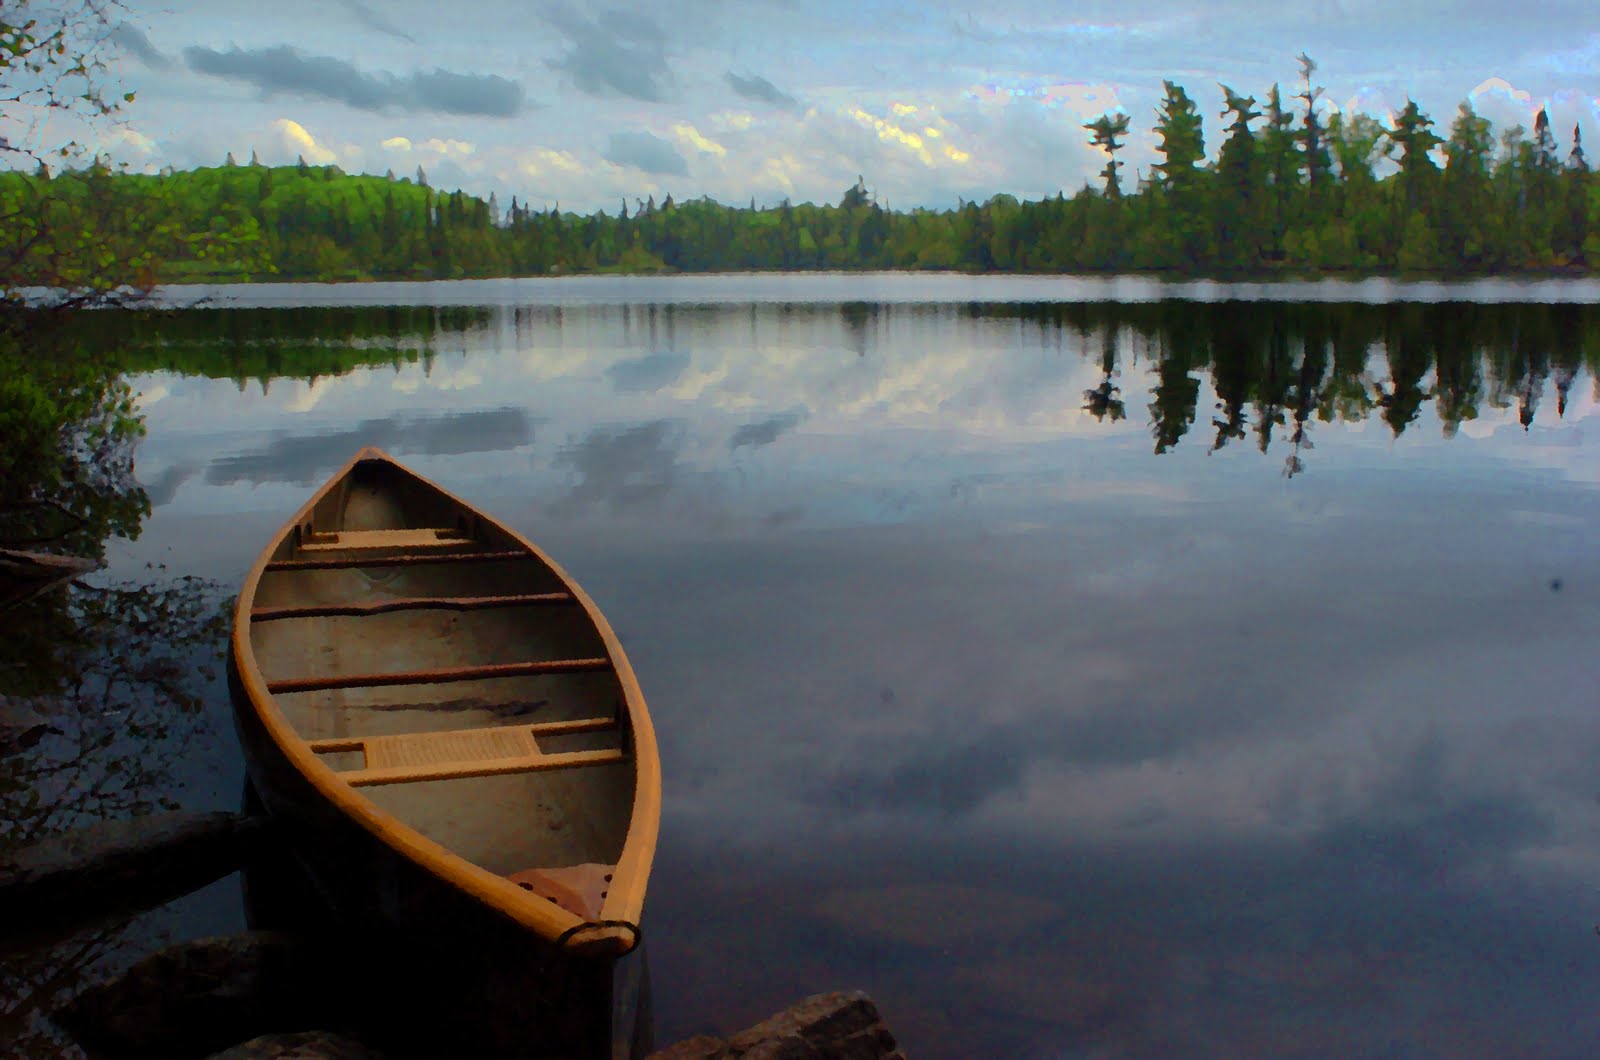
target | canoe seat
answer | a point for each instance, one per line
(406, 758)
(579, 889)
(420, 538)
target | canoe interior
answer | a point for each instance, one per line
(546, 818)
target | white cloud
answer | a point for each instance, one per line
(298, 140)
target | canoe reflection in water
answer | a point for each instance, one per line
(465, 760)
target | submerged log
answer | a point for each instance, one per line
(24, 575)
(196, 998)
(840, 1025)
(115, 868)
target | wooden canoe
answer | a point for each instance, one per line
(430, 676)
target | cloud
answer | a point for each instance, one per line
(626, 57)
(625, 467)
(649, 373)
(647, 152)
(765, 432)
(305, 458)
(375, 21)
(298, 140)
(132, 41)
(282, 69)
(692, 136)
(761, 90)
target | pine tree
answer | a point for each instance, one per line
(1313, 142)
(1106, 131)
(1238, 201)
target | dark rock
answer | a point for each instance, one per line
(835, 1026)
(195, 998)
(119, 867)
(700, 1047)
(300, 1045)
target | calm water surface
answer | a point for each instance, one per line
(1078, 668)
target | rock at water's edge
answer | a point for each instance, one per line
(838, 1025)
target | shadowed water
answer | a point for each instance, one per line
(1148, 677)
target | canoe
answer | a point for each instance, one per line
(453, 721)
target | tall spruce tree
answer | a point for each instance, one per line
(1107, 130)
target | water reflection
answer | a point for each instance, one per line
(969, 698)
(1269, 373)
(103, 682)
(307, 460)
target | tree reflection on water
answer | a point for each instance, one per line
(103, 681)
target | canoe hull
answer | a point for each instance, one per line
(448, 974)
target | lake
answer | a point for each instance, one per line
(1077, 666)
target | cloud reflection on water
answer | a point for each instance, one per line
(307, 459)
(1221, 762)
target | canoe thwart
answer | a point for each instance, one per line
(485, 767)
(398, 758)
(412, 559)
(538, 728)
(409, 603)
(419, 537)
(440, 676)
(579, 889)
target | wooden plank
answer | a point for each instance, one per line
(409, 603)
(436, 677)
(540, 728)
(344, 743)
(460, 745)
(489, 767)
(402, 560)
(420, 537)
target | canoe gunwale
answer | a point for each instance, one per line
(614, 931)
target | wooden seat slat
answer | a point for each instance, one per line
(441, 676)
(402, 560)
(415, 537)
(486, 767)
(409, 603)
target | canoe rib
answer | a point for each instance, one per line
(439, 603)
(438, 677)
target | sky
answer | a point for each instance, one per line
(930, 102)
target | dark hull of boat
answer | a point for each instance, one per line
(448, 975)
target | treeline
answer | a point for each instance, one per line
(1290, 190)
(1275, 370)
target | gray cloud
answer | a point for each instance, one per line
(132, 41)
(282, 69)
(761, 90)
(304, 459)
(375, 21)
(650, 372)
(765, 432)
(625, 467)
(624, 57)
(645, 151)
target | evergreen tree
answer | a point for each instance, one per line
(1313, 142)
(1280, 167)
(1238, 209)
(1413, 134)
(1465, 202)
(1107, 129)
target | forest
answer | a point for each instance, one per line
(1293, 189)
